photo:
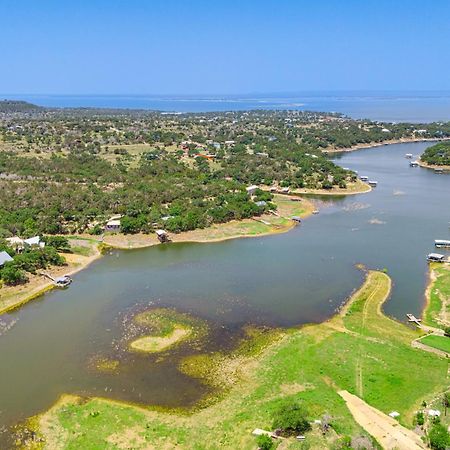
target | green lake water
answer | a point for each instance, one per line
(282, 280)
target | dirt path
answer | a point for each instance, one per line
(387, 431)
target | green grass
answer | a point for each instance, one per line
(439, 342)
(440, 289)
(361, 351)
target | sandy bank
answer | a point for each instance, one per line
(11, 297)
(433, 166)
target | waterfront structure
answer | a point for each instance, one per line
(442, 243)
(436, 257)
(113, 225)
(162, 235)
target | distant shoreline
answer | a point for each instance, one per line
(381, 144)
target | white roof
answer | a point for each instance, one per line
(394, 414)
(160, 232)
(33, 240)
(4, 257)
(14, 240)
(434, 412)
(252, 187)
(114, 223)
(436, 255)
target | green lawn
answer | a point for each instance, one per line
(439, 342)
(439, 290)
(361, 351)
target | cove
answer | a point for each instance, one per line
(281, 280)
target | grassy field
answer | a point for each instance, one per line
(439, 342)
(437, 312)
(359, 350)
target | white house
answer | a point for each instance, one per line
(113, 225)
(4, 257)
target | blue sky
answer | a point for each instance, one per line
(222, 47)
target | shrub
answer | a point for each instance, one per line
(12, 275)
(439, 437)
(291, 418)
(265, 442)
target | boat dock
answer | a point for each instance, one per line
(413, 319)
(442, 243)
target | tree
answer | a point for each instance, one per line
(446, 401)
(439, 437)
(291, 418)
(12, 275)
(265, 442)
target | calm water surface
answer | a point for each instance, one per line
(282, 280)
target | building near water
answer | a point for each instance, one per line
(4, 258)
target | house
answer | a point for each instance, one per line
(34, 242)
(113, 225)
(4, 258)
(16, 243)
(251, 189)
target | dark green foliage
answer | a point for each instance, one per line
(60, 243)
(12, 275)
(439, 437)
(292, 419)
(265, 442)
(438, 154)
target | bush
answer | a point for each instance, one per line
(420, 418)
(61, 243)
(292, 419)
(12, 275)
(265, 442)
(439, 437)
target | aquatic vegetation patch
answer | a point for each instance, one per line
(360, 350)
(105, 364)
(163, 328)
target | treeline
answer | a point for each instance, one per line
(438, 154)
(161, 192)
(30, 260)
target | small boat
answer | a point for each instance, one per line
(438, 170)
(408, 155)
(442, 243)
(414, 164)
(373, 183)
(316, 211)
(364, 178)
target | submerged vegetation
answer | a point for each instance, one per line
(360, 351)
(164, 328)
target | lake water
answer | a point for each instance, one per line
(281, 280)
(384, 106)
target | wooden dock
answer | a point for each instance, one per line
(414, 319)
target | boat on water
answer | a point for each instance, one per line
(373, 183)
(414, 164)
(364, 178)
(438, 170)
(408, 155)
(442, 243)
